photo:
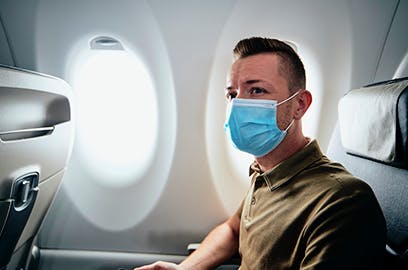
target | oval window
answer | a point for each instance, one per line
(117, 121)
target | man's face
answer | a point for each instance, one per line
(258, 77)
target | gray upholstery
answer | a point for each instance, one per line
(368, 120)
(390, 184)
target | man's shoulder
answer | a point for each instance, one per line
(333, 178)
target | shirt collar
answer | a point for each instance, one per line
(288, 168)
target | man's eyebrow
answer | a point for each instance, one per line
(246, 82)
(253, 81)
(249, 82)
(266, 83)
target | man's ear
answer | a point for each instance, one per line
(304, 99)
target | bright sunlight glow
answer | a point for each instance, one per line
(117, 118)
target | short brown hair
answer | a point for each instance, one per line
(291, 67)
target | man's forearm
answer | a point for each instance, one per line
(219, 245)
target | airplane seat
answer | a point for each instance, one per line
(36, 135)
(371, 141)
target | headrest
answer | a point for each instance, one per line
(374, 122)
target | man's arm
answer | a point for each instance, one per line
(219, 245)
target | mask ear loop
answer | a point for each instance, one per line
(289, 98)
(291, 123)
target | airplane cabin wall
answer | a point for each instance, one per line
(186, 46)
(393, 62)
(5, 54)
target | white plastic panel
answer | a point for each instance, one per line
(30, 102)
(116, 140)
(104, 209)
(36, 136)
(47, 191)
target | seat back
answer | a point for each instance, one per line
(36, 133)
(361, 151)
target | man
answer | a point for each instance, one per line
(302, 211)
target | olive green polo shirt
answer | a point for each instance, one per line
(310, 213)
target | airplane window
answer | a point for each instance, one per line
(117, 127)
(125, 114)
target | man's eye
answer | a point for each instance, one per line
(257, 90)
(231, 95)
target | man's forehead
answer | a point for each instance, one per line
(256, 65)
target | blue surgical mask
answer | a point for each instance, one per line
(252, 127)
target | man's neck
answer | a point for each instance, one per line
(286, 149)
